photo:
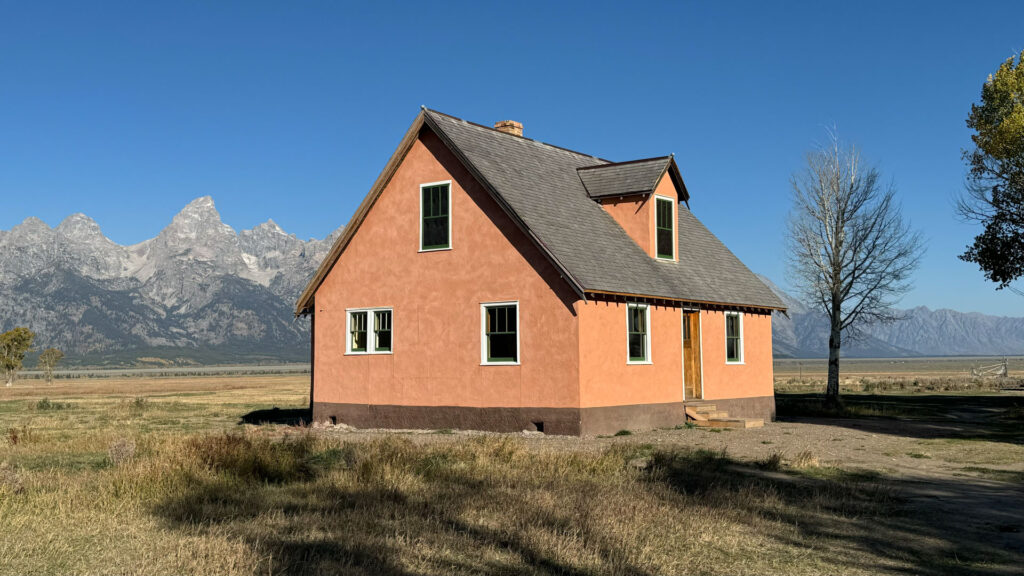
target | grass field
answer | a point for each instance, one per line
(158, 476)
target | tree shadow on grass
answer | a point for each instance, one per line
(933, 416)
(366, 525)
(415, 510)
(868, 521)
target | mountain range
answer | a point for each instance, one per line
(803, 333)
(201, 292)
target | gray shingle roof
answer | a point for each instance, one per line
(637, 177)
(541, 185)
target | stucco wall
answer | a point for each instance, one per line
(436, 299)
(636, 215)
(606, 379)
(752, 378)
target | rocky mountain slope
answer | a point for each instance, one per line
(920, 332)
(198, 291)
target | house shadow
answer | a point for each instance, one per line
(994, 418)
(275, 415)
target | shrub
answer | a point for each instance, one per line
(46, 404)
(121, 451)
(257, 457)
(805, 459)
(771, 462)
(623, 433)
(17, 435)
(10, 479)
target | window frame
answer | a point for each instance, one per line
(371, 333)
(483, 334)
(674, 221)
(419, 200)
(739, 338)
(391, 332)
(647, 333)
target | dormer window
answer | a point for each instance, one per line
(665, 228)
(435, 216)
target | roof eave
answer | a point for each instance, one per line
(305, 302)
(562, 270)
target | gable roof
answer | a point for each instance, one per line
(633, 177)
(540, 187)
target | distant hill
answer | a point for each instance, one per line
(198, 292)
(920, 332)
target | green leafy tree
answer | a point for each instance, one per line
(994, 195)
(48, 361)
(13, 346)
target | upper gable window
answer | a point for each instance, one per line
(435, 216)
(665, 227)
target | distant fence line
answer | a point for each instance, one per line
(167, 372)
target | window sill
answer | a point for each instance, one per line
(368, 353)
(422, 250)
(740, 363)
(499, 363)
(638, 362)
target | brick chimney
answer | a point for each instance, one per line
(509, 127)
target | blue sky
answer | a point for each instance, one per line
(127, 111)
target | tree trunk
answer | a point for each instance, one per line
(834, 343)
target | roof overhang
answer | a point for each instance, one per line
(305, 303)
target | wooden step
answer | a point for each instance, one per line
(692, 414)
(731, 423)
(704, 408)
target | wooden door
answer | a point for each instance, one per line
(691, 354)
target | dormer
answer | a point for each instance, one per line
(643, 197)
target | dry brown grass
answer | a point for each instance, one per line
(200, 494)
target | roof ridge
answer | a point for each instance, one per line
(613, 164)
(564, 149)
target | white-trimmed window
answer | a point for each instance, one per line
(664, 228)
(734, 338)
(638, 334)
(369, 331)
(499, 333)
(436, 216)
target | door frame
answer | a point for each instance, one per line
(682, 347)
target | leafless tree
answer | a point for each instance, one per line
(851, 251)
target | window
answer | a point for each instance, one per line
(382, 331)
(665, 227)
(733, 338)
(637, 319)
(364, 340)
(357, 332)
(435, 216)
(500, 339)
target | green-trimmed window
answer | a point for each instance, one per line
(733, 337)
(665, 228)
(435, 211)
(501, 333)
(382, 331)
(636, 326)
(357, 331)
